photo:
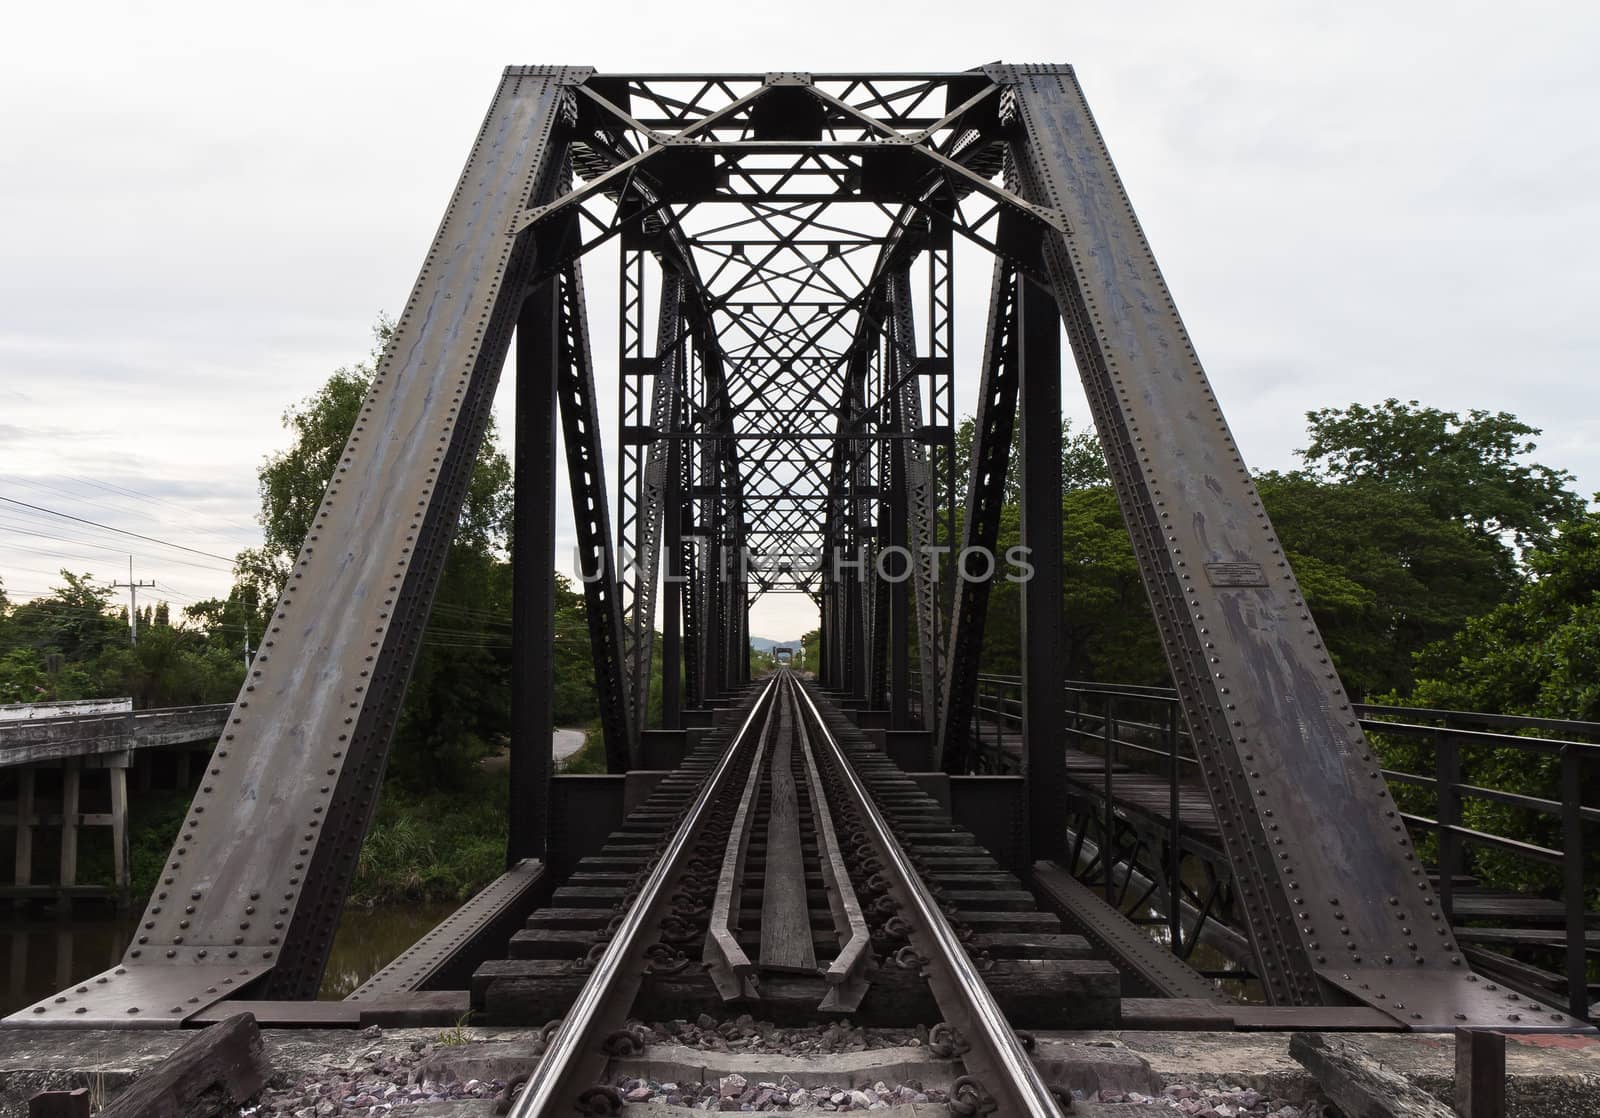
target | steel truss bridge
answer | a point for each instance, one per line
(787, 371)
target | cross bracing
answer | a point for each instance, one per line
(786, 420)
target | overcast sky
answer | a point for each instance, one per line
(205, 207)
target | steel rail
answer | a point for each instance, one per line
(844, 974)
(571, 1061)
(727, 963)
(997, 1059)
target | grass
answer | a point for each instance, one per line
(456, 1037)
(154, 817)
(435, 845)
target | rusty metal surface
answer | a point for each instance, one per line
(483, 916)
(259, 872)
(134, 995)
(1327, 874)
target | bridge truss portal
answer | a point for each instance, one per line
(788, 395)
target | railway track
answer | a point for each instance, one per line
(788, 871)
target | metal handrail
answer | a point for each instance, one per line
(573, 1050)
(996, 1055)
(1452, 730)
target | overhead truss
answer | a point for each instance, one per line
(785, 373)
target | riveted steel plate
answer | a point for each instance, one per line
(416, 965)
(1325, 872)
(141, 995)
(264, 857)
(1444, 1000)
(1235, 574)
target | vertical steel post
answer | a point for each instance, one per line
(1108, 816)
(1043, 758)
(904, 368)
(1174, 836)
(580, 426)
(899, 589)
(1572, 866)
(672, 608)
(880, 614)
(957, 743)
(1447, 783)
(532, 578)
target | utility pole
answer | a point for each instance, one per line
(246, 606)
(133, 589)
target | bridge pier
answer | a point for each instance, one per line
(26, 818)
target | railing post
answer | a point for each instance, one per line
(1480, 1074)
(1108, 733)
(1175, 852)
(1447, 783)
(1572, 865)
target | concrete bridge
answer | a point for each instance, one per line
(43, 763)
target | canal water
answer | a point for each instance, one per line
(40, 954)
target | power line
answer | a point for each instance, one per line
(106, 485)
(27, 528)
(78, 495)
(119, 531)
(12, 479)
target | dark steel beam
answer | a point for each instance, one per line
(1337, 902)
(532, 580)
(292, 786)
(1038, 334)
(643, 538)
(580, 427)
(980, 527)
(915, 487)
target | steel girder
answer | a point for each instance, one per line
(647, 485)
(1038, 348)
(580, 428)
(733, 181)
(1337, 902)
(980, 526)
(532, 572)
(920, 504)
(258, 876)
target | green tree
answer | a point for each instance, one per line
(457, 707)
(575, 702)
(810, 646)
(170, 666)
(22, 677)
(1083, 462)
(1470, 468)
(73, 622)
(1384, 574)
(1536, 654)
(1108, 632)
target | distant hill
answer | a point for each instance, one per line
(767, 644)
